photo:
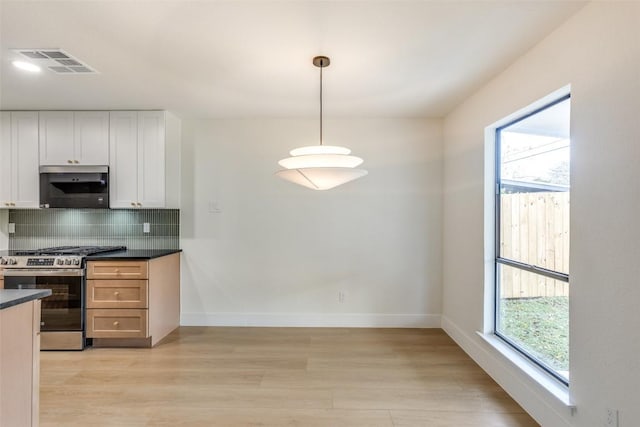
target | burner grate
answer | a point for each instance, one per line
(72, 250)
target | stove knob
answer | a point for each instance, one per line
(3, 261)
(12, 261)
(67, 261)
(76, 261)
(59, 261)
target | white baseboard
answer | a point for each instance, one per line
(353, 320)
(540, 404)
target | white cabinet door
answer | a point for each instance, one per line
(24, 137)
(91, 137)
(123, 152)
(19, 160)
(137, 159)
(56, 138)
(5, 160)
(151, 161)
(74, 137)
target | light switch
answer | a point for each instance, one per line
(12, 227)
(146, 227)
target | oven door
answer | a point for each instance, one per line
(63, 309)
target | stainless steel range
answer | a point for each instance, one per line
(61, 269)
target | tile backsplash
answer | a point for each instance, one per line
(40, 228)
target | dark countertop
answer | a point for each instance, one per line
(131, 254)
(9, 253)
(11, 297)
(128, 254)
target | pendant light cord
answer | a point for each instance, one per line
(321, 66)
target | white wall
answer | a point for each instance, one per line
(597, 51)
(278, 253)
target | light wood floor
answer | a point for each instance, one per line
(276, 377)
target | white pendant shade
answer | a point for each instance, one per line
(321, 178)
(320, 161)
(320, 167)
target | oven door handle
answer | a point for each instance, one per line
(44, 273)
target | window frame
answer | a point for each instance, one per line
(499, 260)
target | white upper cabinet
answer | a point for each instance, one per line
(141, 148)
(91, 137)
(5, 160)
(19, 178)
(56, 137)
(137, 152)
(151, 159)
(74, 137)
(123, 170)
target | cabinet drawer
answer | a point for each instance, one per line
(117, 323)
(117, 293)
(117, 270)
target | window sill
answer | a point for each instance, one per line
(556, 389)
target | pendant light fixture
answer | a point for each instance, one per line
(320, 167)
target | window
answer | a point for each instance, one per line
(532, 236)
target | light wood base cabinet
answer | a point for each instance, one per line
(134, 303)
(118, 293)
(117, 323)
(20, 365)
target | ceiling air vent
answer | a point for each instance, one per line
(55, 60)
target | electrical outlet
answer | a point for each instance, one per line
(611, 419)
(342, 295)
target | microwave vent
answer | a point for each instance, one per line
(55, 60)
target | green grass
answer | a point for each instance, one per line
(540, 325)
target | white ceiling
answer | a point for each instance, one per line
(253, 58)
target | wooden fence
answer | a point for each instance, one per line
(535, 230)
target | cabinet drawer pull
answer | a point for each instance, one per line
(69, 161)
(75, 161)
(116, 323)
(117, 270)
(133, 204)
(116, 293)
(139, 204)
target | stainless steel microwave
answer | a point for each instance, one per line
(74, 187)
